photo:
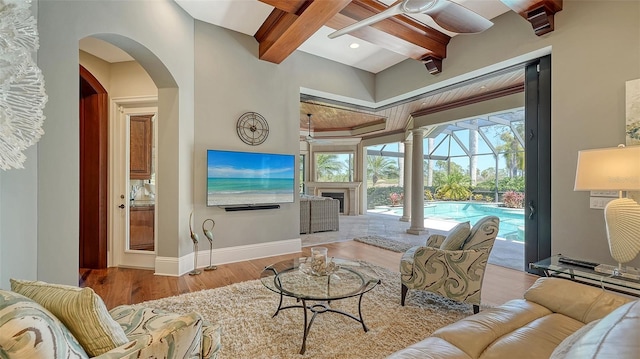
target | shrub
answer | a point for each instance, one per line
(379, 196)
(428, 195)
(454, 191)
(513, 199)
(395, 198)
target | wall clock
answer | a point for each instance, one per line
(252, 128)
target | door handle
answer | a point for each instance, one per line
(532, 210)
(121, 206)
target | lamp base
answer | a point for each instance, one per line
(626, 272)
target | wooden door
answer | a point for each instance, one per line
(93, 171)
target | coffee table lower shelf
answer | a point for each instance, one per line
(319, 308)
(315, 293)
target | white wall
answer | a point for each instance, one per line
(160, 38)
(18, 218)
(230, 80)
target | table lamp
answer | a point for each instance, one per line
(615, 169)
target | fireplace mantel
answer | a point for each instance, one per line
(350, 190)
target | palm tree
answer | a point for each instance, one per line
(327, 166)
(513, 153)
(456, 187)
(378, 166)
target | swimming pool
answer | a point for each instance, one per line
(511, 219)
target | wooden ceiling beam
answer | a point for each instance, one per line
(540, 13)
(290, 6)
(283, 32)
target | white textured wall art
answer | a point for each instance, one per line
(22, 94)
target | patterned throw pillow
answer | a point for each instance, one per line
(29, 331)
(456, 237)
(81, 310)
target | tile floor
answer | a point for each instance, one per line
(505, 253)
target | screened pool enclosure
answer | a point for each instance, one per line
(478, 159)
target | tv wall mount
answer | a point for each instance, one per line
(252, 128)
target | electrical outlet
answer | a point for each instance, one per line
(599, 202)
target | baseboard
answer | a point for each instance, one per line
(172, 266)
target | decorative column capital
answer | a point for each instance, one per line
(418, 132)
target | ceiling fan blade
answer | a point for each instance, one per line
(392, 11)
(457, 18)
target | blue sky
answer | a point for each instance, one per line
(229, 164)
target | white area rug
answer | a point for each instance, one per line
(245, 311)
(386, 243)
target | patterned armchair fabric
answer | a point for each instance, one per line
(156, 333)
(455, 274)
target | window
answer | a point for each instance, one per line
(334, 167)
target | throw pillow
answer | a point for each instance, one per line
(455, 239)
(29, 331)
(79, 309)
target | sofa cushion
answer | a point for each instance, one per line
(30, 331)
(540, 337)
(615, 336)
(578, 301)
(561, 350)
(80, 309)
(455, 239)
(430, 348)
(475, 333)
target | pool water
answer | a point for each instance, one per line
(511, 219)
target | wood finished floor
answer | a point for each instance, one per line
(119, 286)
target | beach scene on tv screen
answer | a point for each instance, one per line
(244, 178)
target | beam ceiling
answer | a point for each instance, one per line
(292, 22)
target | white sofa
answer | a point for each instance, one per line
(557, 319)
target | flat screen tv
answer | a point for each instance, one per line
(249, 178)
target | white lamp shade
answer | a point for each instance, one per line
(608, 169)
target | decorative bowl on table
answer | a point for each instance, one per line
(309, 267)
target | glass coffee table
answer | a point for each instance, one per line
(293, 278)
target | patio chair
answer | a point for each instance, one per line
(452, 266)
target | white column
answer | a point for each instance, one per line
(406, 181)
(473, 150)
(430, 144)
(417, 184)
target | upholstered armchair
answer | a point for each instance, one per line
(452, 266)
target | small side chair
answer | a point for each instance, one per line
(453, 265)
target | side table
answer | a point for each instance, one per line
(552, 267)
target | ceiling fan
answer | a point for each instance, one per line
(310, 139)
(446, 13)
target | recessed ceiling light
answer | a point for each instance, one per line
(354, 45)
